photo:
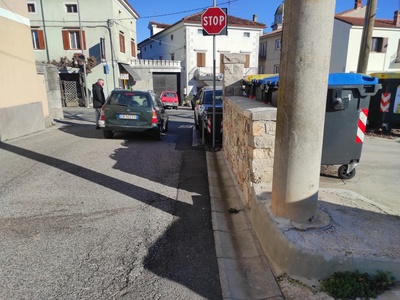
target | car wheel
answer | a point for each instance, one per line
(157, 134)
(108, 134)
(342, 172)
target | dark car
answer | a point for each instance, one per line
(133, 111)
(204, 105)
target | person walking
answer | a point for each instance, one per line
(98, 99)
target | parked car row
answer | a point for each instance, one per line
(204, 108)
(143, 111)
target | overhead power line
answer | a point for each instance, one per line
(182, 12)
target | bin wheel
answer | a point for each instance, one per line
(342, 172)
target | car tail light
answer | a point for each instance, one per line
(102, 114)
(154, 119)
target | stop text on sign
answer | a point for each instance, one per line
(214, 20)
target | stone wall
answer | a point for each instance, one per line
(248, 143)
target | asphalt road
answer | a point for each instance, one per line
(88, 218)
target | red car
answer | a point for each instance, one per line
(169, 99)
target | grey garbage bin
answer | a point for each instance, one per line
(346, 115)
(347, 104)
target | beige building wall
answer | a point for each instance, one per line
(23, 102)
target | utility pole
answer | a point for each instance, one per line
(366, 39)
(84, 57)
(303, 84)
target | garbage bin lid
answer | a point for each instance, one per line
(249, 78)
(336, 79)
(271, 80)
(386, 75)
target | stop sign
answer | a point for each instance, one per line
(213, 20)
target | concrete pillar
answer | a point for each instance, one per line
(233, 74)
(305, 57)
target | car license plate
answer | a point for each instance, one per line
(128, 117)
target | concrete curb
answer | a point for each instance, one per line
(244, 270)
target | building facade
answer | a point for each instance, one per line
(346, 42)
(184, 41)
(101, 34)
(23, 102)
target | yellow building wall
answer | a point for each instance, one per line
(19, 82)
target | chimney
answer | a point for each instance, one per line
(396, 18)
(255, 17)
(357, 4)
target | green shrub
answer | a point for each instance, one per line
(350, 285)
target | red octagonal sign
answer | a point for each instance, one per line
(213, 20)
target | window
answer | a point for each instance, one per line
(263, 50)
(31, 7)
(379, 44)
(200, 31)
(276, 69)
(201, 59)
(133, 47)
(277, 44)
(172, 37)
(72, 39)
(38, 39)
(246, 34)
(71, 8)
(247, 61)
(172, 56)
(398, 53)
(121, 42)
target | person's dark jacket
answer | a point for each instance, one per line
(98, 96)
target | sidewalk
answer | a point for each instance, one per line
(245, 271)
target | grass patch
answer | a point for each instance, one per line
(350, 285)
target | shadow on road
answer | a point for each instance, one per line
(185, 253)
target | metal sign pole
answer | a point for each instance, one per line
(213, 115)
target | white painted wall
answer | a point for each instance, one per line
(189, 40)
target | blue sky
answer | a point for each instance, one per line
(169, 12)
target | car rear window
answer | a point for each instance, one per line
(169, 95)
(130, 99)
(208, 97)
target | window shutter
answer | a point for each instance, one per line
(41, 40)
(384, 45)
(247, 62)
(65, 35)
(200, 59)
